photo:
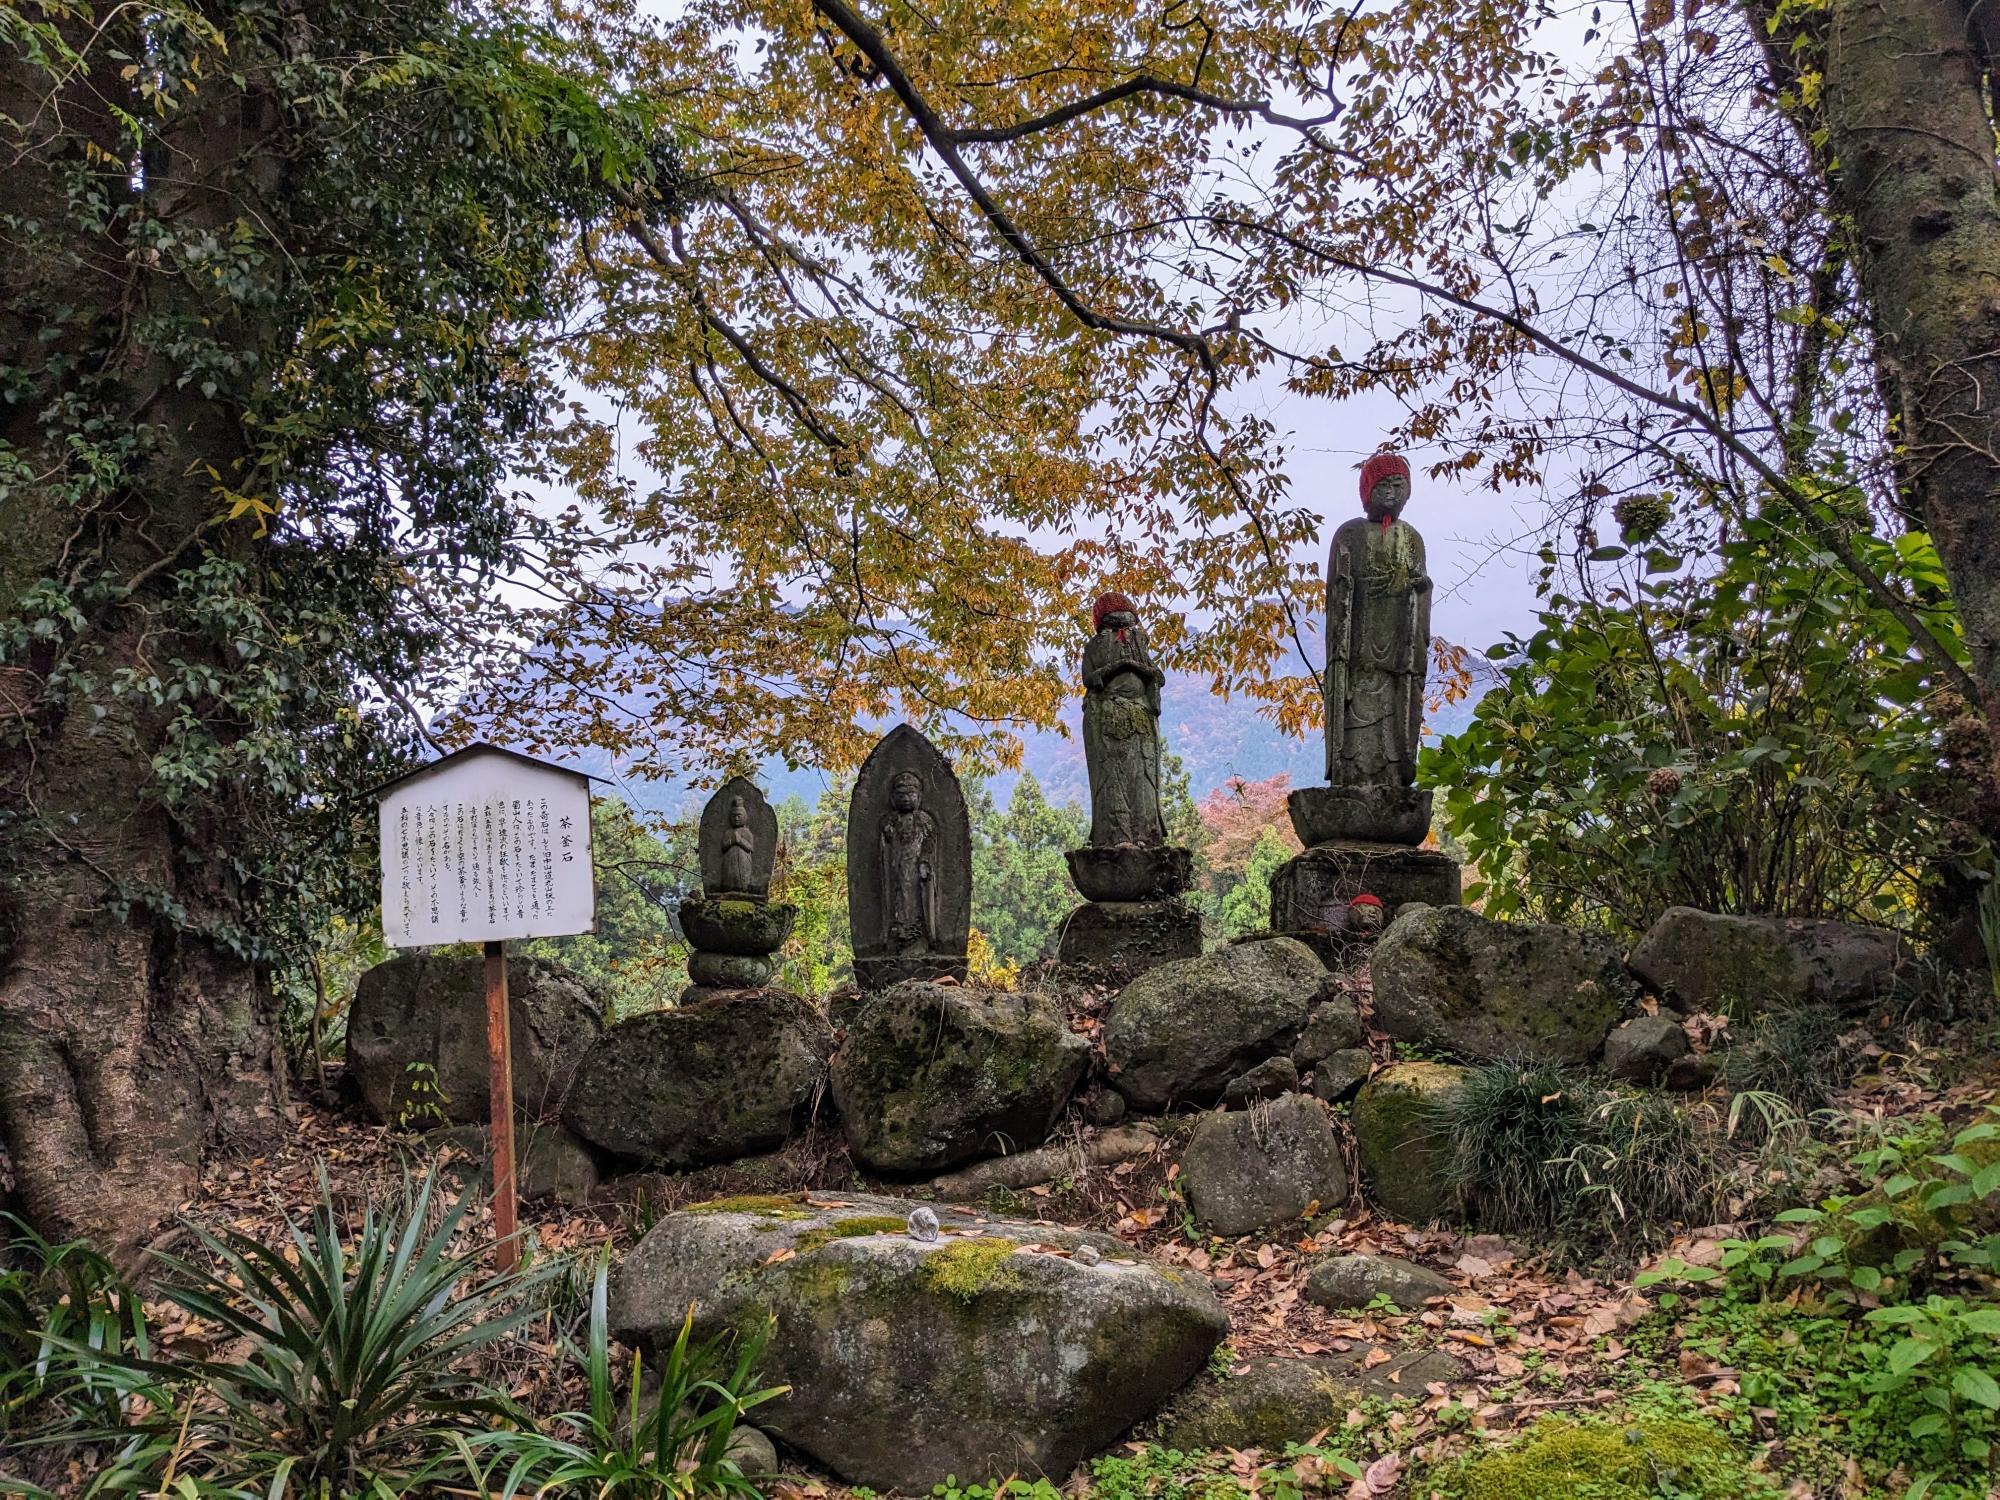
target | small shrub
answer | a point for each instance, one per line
(1539, 1147)
(1794, 1055)
(63, 1307)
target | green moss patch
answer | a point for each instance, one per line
(754, 1203)
(849, 1229)
(966, 1268)
(1561, 1459)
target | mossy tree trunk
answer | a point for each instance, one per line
(130, 1042)
(1907, 139)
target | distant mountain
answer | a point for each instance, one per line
(1216, 739)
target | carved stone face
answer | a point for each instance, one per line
(1120, 619)
(906, 795)
(1391, 493)
(738, 813)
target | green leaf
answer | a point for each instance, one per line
(1976, 1386)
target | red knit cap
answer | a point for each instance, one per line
(1379, 468)
(1108, 604)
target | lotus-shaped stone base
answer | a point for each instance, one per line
(1360, 814)
(1130, 872)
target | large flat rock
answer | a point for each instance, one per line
(990, 1351)
(1700, 960)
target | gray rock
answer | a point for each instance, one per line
(909, 864)
(556, 1166)
(422, 1016)
(754, 1454)
(702, 1083)
(1338, 1077)
(932, 1075)
(1402, 1145)
(908, 1362)
(922, 1224)
(1105, 1107)
(1697, 960)
(1483, 990)
(1270, 1078)
(1182, 1031)
(1266, 1403)
(1270, 1164)
(1344, 1282)
(1644, 1048)
(1335, 1027)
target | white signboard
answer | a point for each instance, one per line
(486, 845)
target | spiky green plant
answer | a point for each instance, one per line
(671, 1445)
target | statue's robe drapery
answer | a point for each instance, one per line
(1378, 627)
(908, 847)
(1121, 739)
(739, 855)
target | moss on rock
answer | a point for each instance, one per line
(754, 1203)
(849, 1229)
(1561, 1459)
(966, 1268)
(1402, 1146)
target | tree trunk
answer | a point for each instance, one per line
(1910, 153)
(131, 1038)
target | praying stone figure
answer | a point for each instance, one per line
(732, 924)
(1129, 875)
(1121, 728)
(1378, 635)
(909, 865)
(1362, 831)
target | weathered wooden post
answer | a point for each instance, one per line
(479, 847)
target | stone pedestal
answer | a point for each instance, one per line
(1359, 814)
(1125, 938)
(1327, 877)
(1130, 872)
(879, 971)
(733, 938)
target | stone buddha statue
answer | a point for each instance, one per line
(1121, 728)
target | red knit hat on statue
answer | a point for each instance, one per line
(1379, 468)
(1110, 604)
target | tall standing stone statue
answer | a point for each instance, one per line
(909, 864)
(733, 926)
(1129, 874)
(1361, 829)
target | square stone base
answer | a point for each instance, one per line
(1328, 876)
(1124, 938)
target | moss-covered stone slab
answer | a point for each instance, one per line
(989, 1351)
(1482, 990)
(1401, 1141)
(702, 1083)
(1348, 1282)
(933, 1075)
(1179, 1033)
(1741, 966)
(1269, 1402)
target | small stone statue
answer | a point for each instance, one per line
(1378, 627)
(731, 924)
(909, 868)
(1121, 728)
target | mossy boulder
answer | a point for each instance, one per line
(416, 1037)
(1741, 966)
(1335, 1026)
(1401, 1140)
(989, 1351)
(1482, 990)
(932, 1075)
(1181, 1032)
(1269, 1164)
(1561, 1459)
(1268, 1402)
(702, 1083)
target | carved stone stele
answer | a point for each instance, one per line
(909, 864)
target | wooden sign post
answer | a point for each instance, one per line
(479, 847)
